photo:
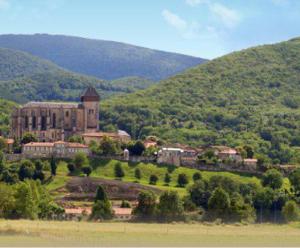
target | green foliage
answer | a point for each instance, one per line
(197, 176)
(27, 138)
(2, 144)
(119, 172)
(199, 193)
(234, 100)
(71, 167)
(272, 178)
(53, 166)
(153, 179)
(170, 207)
(80, 160)
(26, 170)
(290, 211)
(219, 204)
(100, 194)
(137, 174)
(76, 139)
(136, 148)
(109, 146)
(125, 204)
(146, 207)
(87, 170)
(167, 178)
(294, 178)
(102, 209)
(182, 180)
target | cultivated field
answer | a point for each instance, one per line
(39, 233)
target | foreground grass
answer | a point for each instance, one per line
(42, 233)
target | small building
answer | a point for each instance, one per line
(250, 163)
(9, 144)
(150, 143)
(57, 149)
(122, 213)
(126, 154)
(120, 136)
(224, 153)
(170, 156)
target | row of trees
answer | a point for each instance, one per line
(27, 200)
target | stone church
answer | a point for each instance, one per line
(53, 121)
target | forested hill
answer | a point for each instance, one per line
(6, 108)
(24, 77)
(248, 97)
(102, 59)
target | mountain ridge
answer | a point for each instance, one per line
(100, 58)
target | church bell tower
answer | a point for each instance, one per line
(90, 100)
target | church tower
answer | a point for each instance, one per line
(90, 102)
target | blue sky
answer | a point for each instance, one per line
(204, 28)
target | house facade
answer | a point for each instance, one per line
(53, 149)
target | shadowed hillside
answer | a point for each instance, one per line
(103, 59)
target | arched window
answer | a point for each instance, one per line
(44, 123)
(33, 122)
(67, 114)
(53, 120)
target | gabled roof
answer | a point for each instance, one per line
(90, 91)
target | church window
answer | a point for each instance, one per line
(44, 123)
(53, 120)
(91, 111)
(34, 122)
(26, 122)
(67, 114)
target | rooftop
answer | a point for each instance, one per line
(50, 105)
(52, 144)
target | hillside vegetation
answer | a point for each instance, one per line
(247, 97)
(102, 59)
(24, 77)
(5, 110)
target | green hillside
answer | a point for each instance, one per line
(24, 77)
(5, 110)
(249, 97)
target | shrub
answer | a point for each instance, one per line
(119, 173)
(146, 207)
(87, 170)
(273, 179)
(290, 211)
(125, 204)
(71, 167)
(197, 176)
(182, 180)
(167, 178)
(137, 173)
(153, 179)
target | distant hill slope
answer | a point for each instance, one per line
(5, 111)
(102, 59)
(249, 97)
(24, 77)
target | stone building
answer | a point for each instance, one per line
(97, 137)
(53, 121)
(56, 149)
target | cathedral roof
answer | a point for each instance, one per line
(90, 91)
(50, 105)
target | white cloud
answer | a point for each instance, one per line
(4, 4)
(196, 2)
(174, 20)
(229, 17)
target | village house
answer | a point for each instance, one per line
(170, 156)
(56, 149)
(227, 153)
(97, 137)
(9, 144)
(250, 163)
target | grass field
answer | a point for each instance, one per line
(39, 233)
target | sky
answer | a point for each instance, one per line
(202, 28)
